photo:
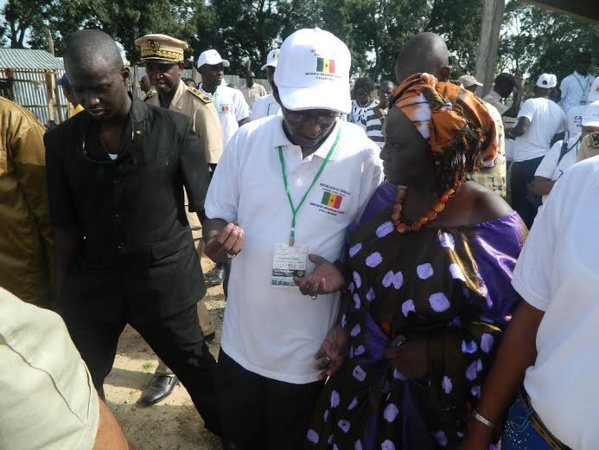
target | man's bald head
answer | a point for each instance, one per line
(91, 49)
(425, 52)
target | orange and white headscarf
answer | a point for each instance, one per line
(447, 115)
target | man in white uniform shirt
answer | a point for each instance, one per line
(575, 87)
(574, 114)
(267, 106)
(233, 111)
(539, 120)
(286, 187)
(552, 339)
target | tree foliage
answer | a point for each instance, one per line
(533, 40)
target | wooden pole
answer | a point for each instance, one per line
(489, 42)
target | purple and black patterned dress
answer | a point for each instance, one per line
(450, 285)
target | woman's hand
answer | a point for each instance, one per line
(324, 279)
(332, 353)
(410, 359)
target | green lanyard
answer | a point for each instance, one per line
(295, 210)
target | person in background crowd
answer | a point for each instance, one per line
(147, 88)
(565, 154)
(504, 86)
(189, 82)
(267, 105)
(470, 83)
(7, 84)
(233, 112)
(47, 399)
(286, 187)
(375, 116)
(67, 90)
(574, 114)
(363, 100)
(539, 120)
(252, 91)
(124, 250)
(163, 57)
(545, 365)
(576, 86)
(423, 53)
(26, 243)
(429, 290)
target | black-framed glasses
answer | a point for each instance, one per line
(322, 116)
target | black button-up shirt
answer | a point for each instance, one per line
(131, 209)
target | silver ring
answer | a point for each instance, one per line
(328, 359)
(315, 296)
(231, 255)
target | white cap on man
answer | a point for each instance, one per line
(468, 80)
(272, 59)
(313, 72)
(547, 81)
(593, 92)
(590, 116)
(212, 58)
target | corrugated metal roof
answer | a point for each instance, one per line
(27, 59)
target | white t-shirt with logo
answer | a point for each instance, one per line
(546, 120)
(574, 119)
(231, 108)
(558, 273)
(552, 167)
(273, 331)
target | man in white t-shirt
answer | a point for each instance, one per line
(575, 87)
(539, 120)
(287, 187)
(267, 106)
(233, 111)
(553, 337)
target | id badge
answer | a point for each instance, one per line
(288, 262)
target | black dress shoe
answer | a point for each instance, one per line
(160, 388)
(215, 276)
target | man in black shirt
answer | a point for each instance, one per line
(124, 250)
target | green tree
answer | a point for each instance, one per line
(536, 40)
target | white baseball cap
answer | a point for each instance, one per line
(594, 92)
(468, 80)
(547, 80)
(313, 72)
(272, 59)
(212, 58)
(590, 116)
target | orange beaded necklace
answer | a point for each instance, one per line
(438, 206)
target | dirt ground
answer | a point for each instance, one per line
(172, 424)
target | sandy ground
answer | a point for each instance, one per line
(172, 424)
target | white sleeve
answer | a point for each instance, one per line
(242, 109)
(549, 162)
(533, 273)
(564, 87)
(527, 110)
(372, 175)
(222, 200)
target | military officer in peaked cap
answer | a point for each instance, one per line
(163, 57)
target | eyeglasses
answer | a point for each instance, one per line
(107, 162)
(322, 116)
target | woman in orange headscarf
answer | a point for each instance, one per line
(428, 277)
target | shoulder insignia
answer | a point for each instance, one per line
(149, 95)
(199, 94)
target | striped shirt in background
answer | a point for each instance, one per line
(374, 127)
